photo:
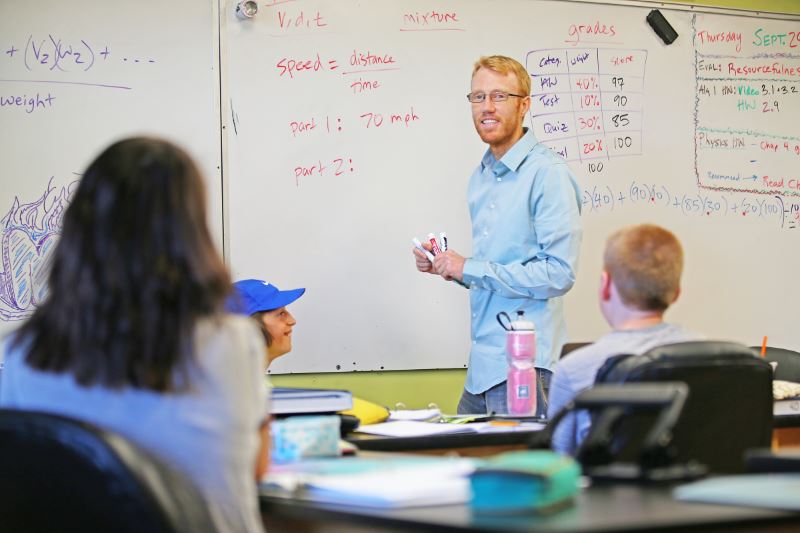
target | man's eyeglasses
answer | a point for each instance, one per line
(494, 96)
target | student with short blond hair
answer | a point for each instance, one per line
(640, 280)
(646, 263)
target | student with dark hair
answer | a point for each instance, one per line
(133, 337)
(641, 278)
(266, 304)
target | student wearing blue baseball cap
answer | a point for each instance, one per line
(267, 305)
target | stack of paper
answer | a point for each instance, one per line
(384, 483)
(445, 483)
(413, 428)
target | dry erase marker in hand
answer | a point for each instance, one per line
(418, 246)
(443, 241)
(434, 244)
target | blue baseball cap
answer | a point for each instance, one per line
(255, 295)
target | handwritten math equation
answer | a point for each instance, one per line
(587, 103)
(54, 53)
(360, 70)
(59, 54)
(774, 209)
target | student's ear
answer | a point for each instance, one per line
(605, 286)
(677, 294)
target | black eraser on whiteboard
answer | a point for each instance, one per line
(661, 26)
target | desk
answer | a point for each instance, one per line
(602, 508)
(786, 431)
(464, 444)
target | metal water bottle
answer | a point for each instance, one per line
(521, 356)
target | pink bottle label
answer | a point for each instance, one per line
(521, 391)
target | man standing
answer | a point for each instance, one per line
(641, 277)
(525, 208)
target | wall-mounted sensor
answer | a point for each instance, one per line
(246, 9)
(662, 28)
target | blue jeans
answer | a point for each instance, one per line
(494, 399)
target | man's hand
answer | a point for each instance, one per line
(423, 264)
(449, 265)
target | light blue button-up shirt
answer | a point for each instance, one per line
(526, 236)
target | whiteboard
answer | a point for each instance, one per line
(75, 76)
(348, 133)
(331, 167)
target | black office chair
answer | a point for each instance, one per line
(59, 474)
(788, 368)
(608, 405)
(729, 409)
